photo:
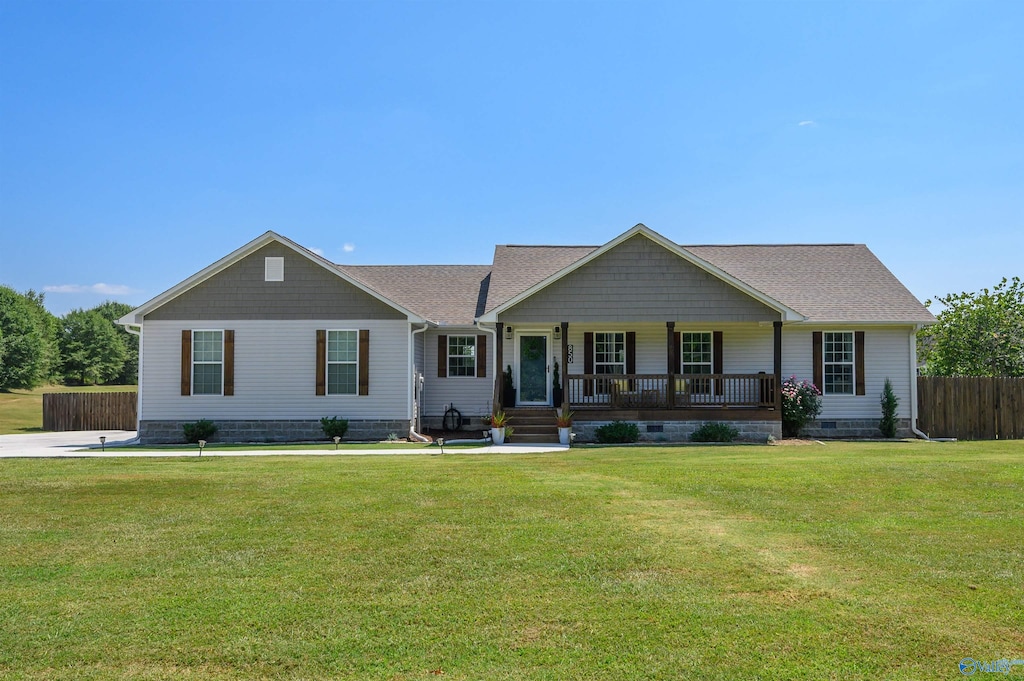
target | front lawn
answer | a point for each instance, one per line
(852, 561)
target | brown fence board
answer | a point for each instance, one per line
(90, 411)
(971, 407)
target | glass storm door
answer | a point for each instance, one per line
(533, 370)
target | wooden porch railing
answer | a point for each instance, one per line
(671, 391)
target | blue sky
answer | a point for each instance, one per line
(141, 141)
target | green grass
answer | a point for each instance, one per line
(21, 411)
(845, 561)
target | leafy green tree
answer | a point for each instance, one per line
(91, 351)
(22, 348)
(977, 334)
(112, 311)
(49, 328)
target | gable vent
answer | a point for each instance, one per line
(273, 269)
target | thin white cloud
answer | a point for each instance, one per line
(348, 248)
(318, 251)
(100, 288)
(807, 123)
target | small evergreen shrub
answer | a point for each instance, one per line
(200, 430)
(334, 427)
(617, 432)
(714, 432)
(801, 402)
(889, 403)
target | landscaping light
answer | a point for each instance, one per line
(337, 439)
(202, 443)
(440, 442)
(103, 442)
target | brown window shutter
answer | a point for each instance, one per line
(677, 365)
(442, 356)
(229, 362)
(321, 361)
(186, 362)
(858, 359)
(631, 352)
(364, 361)
(481, 356)
(588, 361)
(819, 368)
(717, 344)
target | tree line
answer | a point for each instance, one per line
(84, 347)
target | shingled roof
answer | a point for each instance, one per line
(444, 294)
(823, 282)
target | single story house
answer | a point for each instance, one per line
(272, 337)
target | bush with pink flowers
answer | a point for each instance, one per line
(801, 402)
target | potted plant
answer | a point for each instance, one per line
(556, 386)
(564, 421)
(498, 422)
(508, 391)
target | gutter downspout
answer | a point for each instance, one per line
(913, 385)
(496, 363)
(414, 427)
(136, 330)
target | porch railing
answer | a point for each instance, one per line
(671, 391)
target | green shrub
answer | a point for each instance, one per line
(801, 402)
(200, 430)
(334, 427)
(714, 432)
(617, 432)
(889, 403)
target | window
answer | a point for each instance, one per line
(462, 355)
(610, 353)
(837, 356)
(342, 362)
(696, 353)
(207, 362)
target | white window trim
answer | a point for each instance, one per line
(852, 363)
(449, 355)
(328, 363)
(622, 363)
(711, 342)
(193, 362)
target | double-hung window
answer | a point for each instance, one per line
(697, 357)
(207, 362)
(462, 355)
(610, 353)
(838, 359)
(342, 362)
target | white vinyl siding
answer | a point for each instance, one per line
(275, 373)
(886, 354)
(470, 395)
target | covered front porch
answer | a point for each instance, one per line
(613, 375)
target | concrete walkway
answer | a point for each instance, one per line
(56, 445)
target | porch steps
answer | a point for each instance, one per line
(533, 425)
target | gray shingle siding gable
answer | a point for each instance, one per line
(307, 292)
(639, 280)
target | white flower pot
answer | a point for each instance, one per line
(498, 436)
(563, 435)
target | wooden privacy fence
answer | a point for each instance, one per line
(90, 411)
(971, 407)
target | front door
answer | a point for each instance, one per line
(534, 362)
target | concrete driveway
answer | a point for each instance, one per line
(54, 445)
